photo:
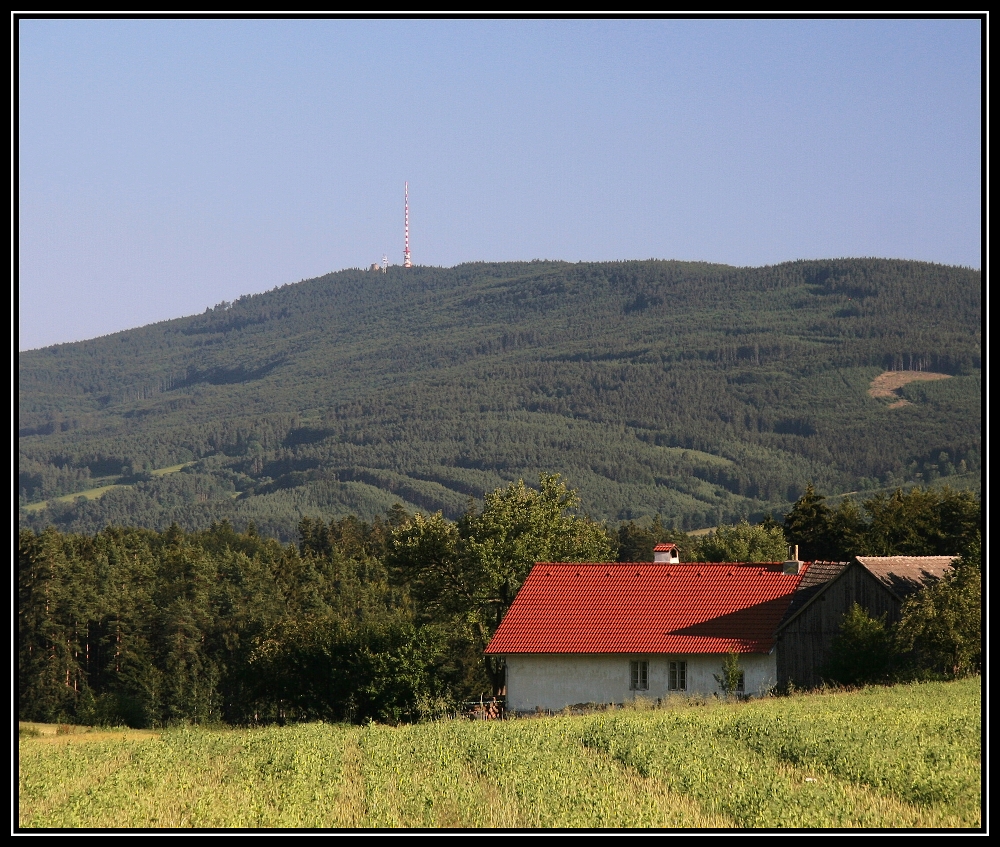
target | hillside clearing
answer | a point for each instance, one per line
(101, 490)
(886, 384)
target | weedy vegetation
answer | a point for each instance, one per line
(902, 757)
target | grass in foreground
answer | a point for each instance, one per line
(905, 757)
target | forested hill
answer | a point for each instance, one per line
(701, 392)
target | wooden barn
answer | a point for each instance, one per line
(879, 584)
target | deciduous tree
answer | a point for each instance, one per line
(943, 623)
(745, 543)
(471, 571)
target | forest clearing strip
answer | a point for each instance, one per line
(101, 490)
(886, 384)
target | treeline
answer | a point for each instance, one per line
(362, 620)
(919, 522)
(143, 628)
(384, 619)
(703, 393)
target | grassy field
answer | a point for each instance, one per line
(903, 757)
(101, 490)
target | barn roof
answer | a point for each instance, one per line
(814, 580)
(646, 608)
(905, 574)
(901, 575)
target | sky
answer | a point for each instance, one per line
(164, 166)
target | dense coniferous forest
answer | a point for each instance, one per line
(387, 620)
(700, 393)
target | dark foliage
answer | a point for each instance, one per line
(145, 628)
(863, 651)
(920, 522)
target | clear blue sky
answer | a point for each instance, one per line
(164, 166)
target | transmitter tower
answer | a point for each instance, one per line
(406, 226)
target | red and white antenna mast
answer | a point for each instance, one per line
(406, 226)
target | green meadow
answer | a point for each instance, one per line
(901, 757)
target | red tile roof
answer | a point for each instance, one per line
(646, 608)
(663, 547)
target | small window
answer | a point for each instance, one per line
(678, 676)
(639, 672)
(739, 684)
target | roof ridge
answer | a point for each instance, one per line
(670, 564)
(654, 607)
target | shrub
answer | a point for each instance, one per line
(942, 624)
(863, 650)
(731, 678)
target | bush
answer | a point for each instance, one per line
(731, 678)
(863, 651)
(943, 623)
(744, 543)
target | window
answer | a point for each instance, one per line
(739, 684)
(678, 676)
(639, 673)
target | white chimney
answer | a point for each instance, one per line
(666, 554)
(793, 565)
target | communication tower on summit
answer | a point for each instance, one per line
(406, 226)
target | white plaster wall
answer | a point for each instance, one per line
(553, 680)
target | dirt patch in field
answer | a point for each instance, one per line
(71, 734)
(886, 384)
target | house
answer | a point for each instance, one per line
(879, 584)
(608, 632)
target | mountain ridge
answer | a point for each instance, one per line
(429, 385)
